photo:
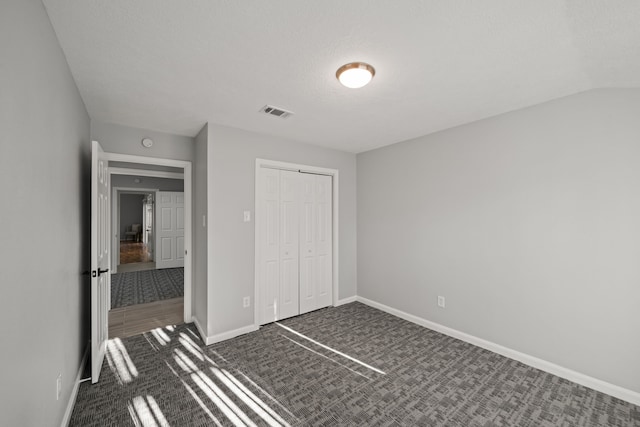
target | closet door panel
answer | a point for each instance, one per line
(289, 244)
(269, 241)
(307, 244)
(323, 241)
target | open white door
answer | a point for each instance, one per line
(100, 277)
(169, 238)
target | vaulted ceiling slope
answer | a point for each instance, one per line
(173, 65)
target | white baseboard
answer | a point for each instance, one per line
(543, 365)
(201, 331)
(246, 329)
(74, 392)
(346, 301)
(208, 340)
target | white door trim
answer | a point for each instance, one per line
(146, 172)
(274, 164)
(188, 213)
(115, 219)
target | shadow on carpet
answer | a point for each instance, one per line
(141, 287)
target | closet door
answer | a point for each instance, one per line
(324, 241)
(289, 232)
(315, 242)
(279, 281)
(269, 241)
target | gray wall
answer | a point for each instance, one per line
(147, 182)
(121, 139)
(200, 241)
(528, 223)
(231, 178)
(44, 173)
(130, 212)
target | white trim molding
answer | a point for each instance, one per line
(146, 172)
(344, 301)
(76, 386)
(200, 329)
(560, 371)
(208, 340)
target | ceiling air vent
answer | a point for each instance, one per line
(275, 111)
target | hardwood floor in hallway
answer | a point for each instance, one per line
(136, 319)
(131, 252)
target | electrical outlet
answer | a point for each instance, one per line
(441, 301)
(246, 302)
(58, 386)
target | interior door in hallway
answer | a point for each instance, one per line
(169, 229)
(100, 242)
(315, 242)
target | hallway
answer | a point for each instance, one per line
(131, 252)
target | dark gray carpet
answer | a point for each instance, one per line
(141, 287)
(391, 372)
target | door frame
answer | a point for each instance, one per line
(187, 176)
(275, 164)
(115, 218)
(115, 212)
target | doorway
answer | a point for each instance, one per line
(143, 294)
(133, 225)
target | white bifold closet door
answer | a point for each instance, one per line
(295, 248)
(315, 242)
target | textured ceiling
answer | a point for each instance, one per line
(172, 65)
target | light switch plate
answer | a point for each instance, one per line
(58, 386)
(247, 216)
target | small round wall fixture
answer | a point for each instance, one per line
(355, 74)
(147, 142)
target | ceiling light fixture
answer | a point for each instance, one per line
(355, 74)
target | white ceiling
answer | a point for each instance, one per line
(172, 65)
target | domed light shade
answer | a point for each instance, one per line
(355, 74)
